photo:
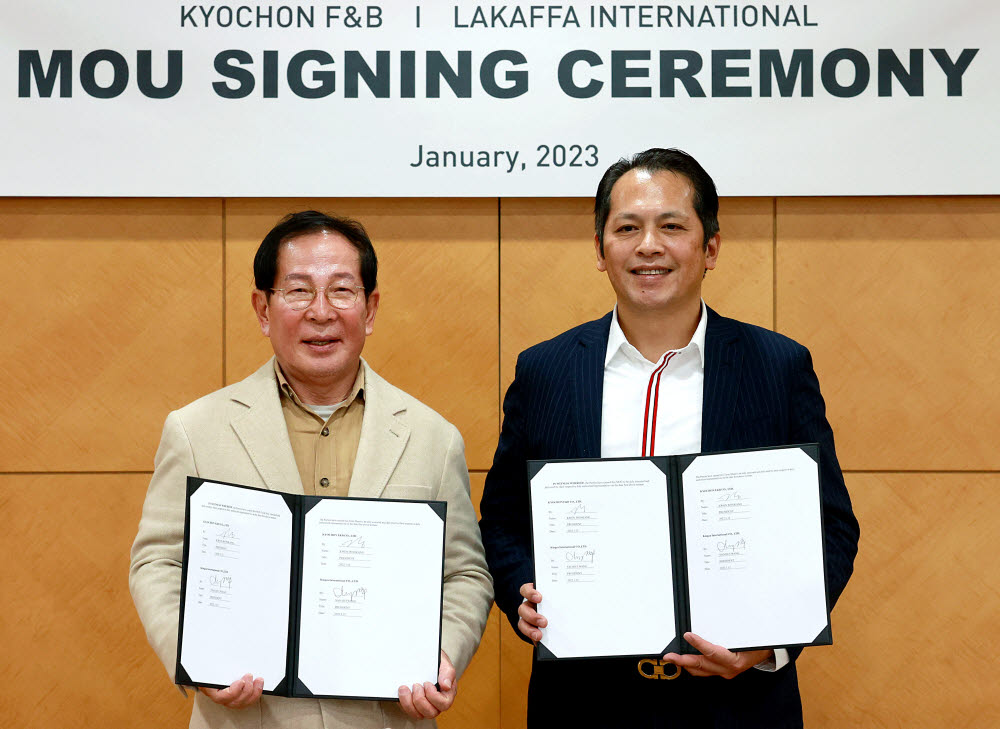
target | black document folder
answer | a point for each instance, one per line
(313, 594)
(632, 553)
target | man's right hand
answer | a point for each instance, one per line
(241, 693)
(530, 619)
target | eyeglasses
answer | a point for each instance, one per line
(340, 296)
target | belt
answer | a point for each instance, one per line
(654, 668)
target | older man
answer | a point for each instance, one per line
(664, 373)
(315, 419)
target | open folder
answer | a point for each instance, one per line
(320, 596)
(631, 553)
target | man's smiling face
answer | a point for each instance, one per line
(654, 245)
(319, 347)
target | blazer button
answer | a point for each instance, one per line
(324, 482)
(325, 431)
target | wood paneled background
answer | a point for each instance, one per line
(114, 312)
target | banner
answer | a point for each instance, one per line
(168, 98)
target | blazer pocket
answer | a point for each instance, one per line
(407, 491)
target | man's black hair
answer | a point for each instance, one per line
(706, 199)
(265, 262)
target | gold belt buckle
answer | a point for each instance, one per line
(658, 671)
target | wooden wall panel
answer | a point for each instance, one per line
(477, 705)
(436, 331)
(910, 378)
(515, 670)
(742, 284)
(896, 298)
(74, 653)
(915, 634)
(111, 315)
(550, 282)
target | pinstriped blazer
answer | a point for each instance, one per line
(759, 390)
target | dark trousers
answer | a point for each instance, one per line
(618, 694)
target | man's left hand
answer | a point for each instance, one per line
(716, 660)
(425, 701)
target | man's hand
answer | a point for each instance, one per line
(716, 660)
(530, 620)
(241, 693)
(425, 701)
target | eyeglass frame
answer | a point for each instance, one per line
(324, 289)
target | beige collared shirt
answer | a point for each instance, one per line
(324, 450)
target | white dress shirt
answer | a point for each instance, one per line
(652, 408)
(655, 408)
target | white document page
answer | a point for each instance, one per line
(602, 550)
(236, 598)
(755, 548)
(371, 597)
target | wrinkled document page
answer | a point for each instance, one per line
(602, 546)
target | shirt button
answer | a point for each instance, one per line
(325, 431)
(324, 482)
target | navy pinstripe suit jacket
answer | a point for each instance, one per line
(760, 390)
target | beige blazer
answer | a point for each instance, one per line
(238, 434)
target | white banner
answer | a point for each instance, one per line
(168, 98)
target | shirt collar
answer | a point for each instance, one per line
(285, 388)
(617, 341)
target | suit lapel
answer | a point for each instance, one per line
(588, 385)
(262, 431)
(384, 433)
(723, 368)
